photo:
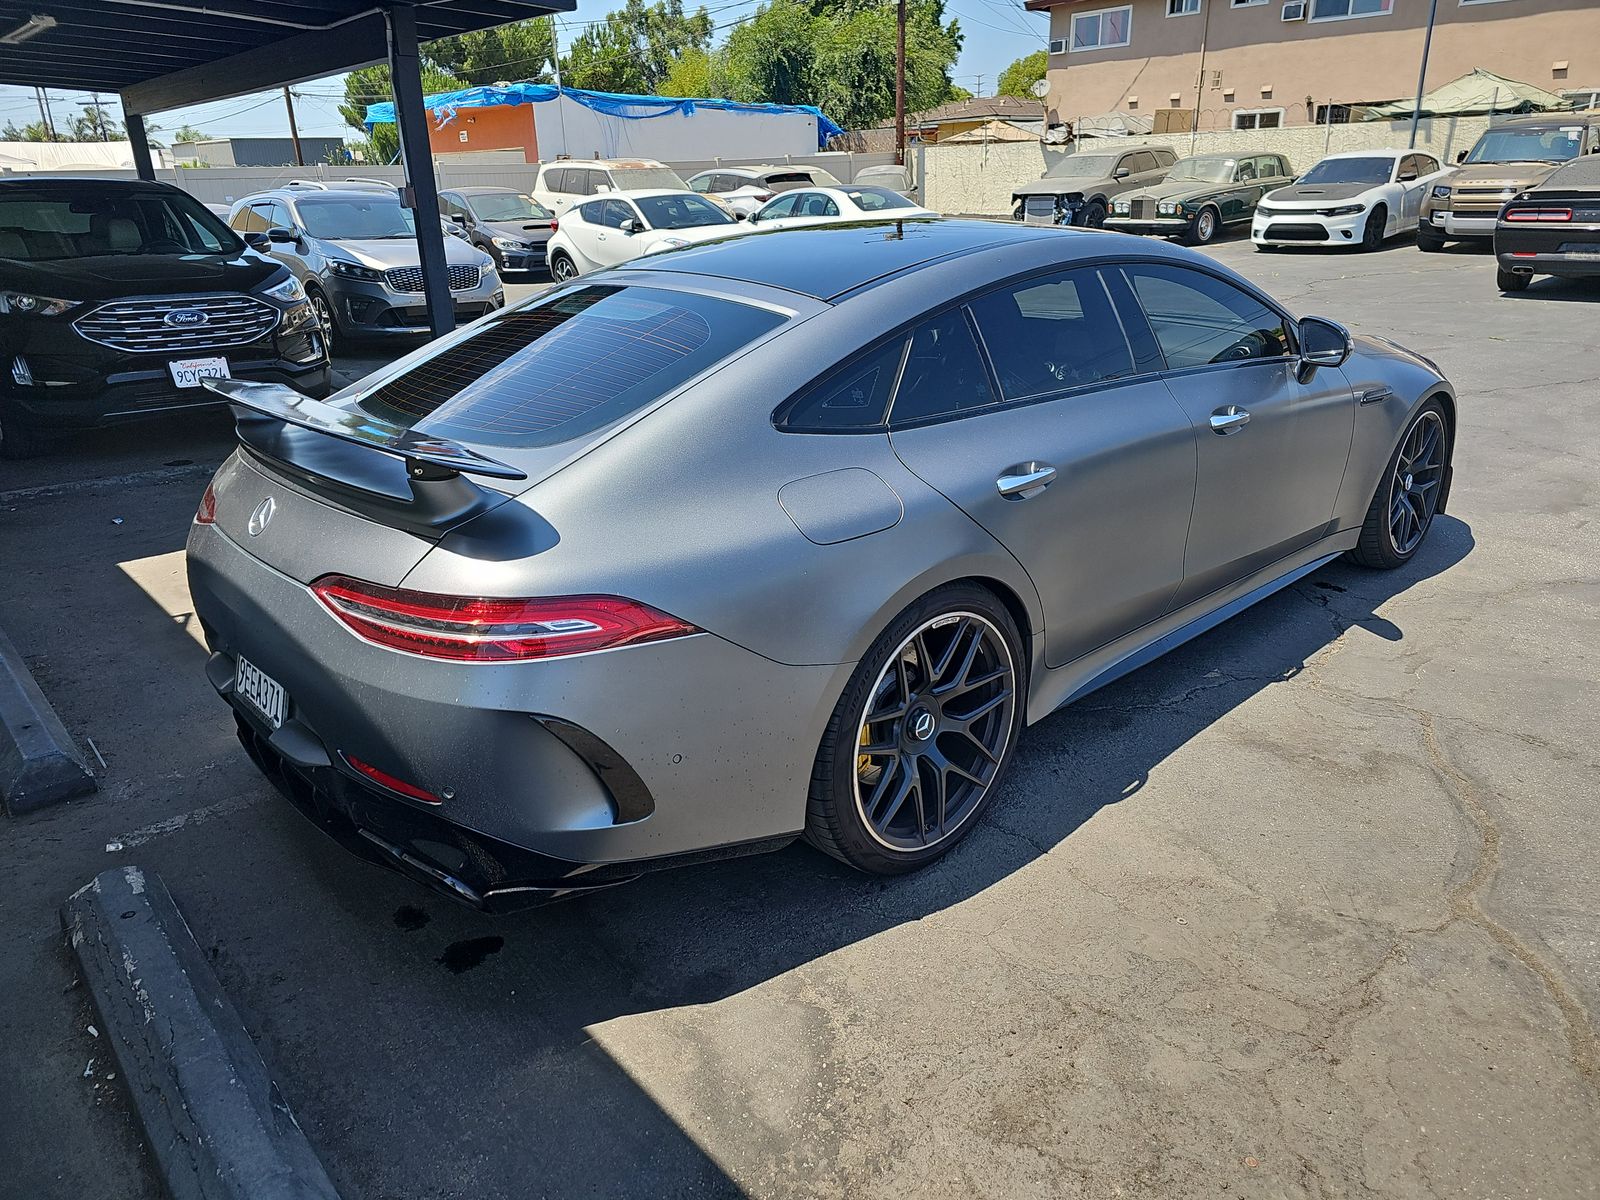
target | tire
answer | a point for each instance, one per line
(1427, 437)
(20, 441)
(1428, 241)
(920, 669)
(1207, 224)
(331, 332)
(1376, 228)
(1092, 215)
(1512, 281)
(562, 268)
(1016, 213)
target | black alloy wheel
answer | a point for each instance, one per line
(1373, 232)
(563, 268)
(324, 311)
(1407, 499)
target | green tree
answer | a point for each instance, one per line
(636, 47)
(370, 85)
(690, 75)
(520, 51)
(1018, 79)
(33, 132)
(188, 133)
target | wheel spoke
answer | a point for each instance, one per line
(939, 798)
(973, 685)
(908, 783)
(875, 749)
(977, 742)
(983, 710)
(938, 671)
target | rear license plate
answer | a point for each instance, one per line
(260, 691)
(191, 372)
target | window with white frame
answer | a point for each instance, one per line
(1257, 118)
(1245, 3)
(1101, 30)
(1341, 10)
(1182, 8)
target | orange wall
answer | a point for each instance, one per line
(503, 127)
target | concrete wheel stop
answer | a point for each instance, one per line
(39, 764)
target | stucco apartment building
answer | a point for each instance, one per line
(1263, 63)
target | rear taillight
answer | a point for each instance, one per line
(206, 514)
(764, 196)
(554, 224)
(491, 629)
(385, 780)
(1524, 215)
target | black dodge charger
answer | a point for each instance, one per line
(120, 298)
(1551, 229)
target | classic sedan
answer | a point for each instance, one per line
(1201, 196)
(1357, 199)
(820, 206)
(1551, 229)
(625, 225)
(572, 595)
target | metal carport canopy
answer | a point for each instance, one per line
(163, 54)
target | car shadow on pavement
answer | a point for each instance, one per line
(430, 1049)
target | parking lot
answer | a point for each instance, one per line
(1304, 909)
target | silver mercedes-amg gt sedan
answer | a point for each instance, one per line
(784, 536)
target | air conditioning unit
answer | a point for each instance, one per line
(1058, 45)
(1295, 10)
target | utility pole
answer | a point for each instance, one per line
(900, 84)
(44, 113)
(294, 130)
(1422, 73)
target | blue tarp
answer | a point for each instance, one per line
(633, 108)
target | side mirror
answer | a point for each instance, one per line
(256, 240)
(459, 219)
(1323, 343)
(1408, 177)
(629, 225)
(1120, 173)
(1461, 156)
(281, 235)
(754, 217)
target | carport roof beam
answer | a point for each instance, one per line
(163, 54)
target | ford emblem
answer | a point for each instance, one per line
(185, 318)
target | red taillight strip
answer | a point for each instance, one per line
(492, 629)
(386, 780)
(1525, 215)
(206, 514)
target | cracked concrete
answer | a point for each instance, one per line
(1305, 910)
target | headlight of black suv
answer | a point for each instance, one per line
(31, 305)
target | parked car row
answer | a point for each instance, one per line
(1496, 190)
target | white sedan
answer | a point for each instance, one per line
(619, 226)
(1354, 199)
(831, 205)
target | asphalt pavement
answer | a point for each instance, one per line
(1305, 909)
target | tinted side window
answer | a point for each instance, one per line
(555, 179)
(592, 212)
(1199, 319)
(856, 398)
(1166, 157)
(781, 207)
(1049, 334)
(250, 219)
(614, 212)
(703, 183)
(278, 215)
(1427, 164)
(944, 371)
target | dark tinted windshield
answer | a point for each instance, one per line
(45, 223)
(681, 212)
(507, 206)
(1528, 145)
(877, 199)
(561, 367)
(341, 217)
(1350, 170)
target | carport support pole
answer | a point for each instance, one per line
(422, 192)
(1422, 73)
(140, 144)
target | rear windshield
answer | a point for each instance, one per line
(41, 224)
(561, 367)
(877, 199)
(681, 212)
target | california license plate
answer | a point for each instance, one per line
(260, 691)
(191, 372)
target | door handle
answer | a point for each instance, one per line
(1025, 480)
(1229, 420)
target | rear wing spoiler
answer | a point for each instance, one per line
(426, 458)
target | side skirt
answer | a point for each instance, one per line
(1075, 680)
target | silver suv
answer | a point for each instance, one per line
(355, 253)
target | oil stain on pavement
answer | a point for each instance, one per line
(461, 957)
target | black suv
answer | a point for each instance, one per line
(119, 298)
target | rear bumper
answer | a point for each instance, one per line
(562, 773)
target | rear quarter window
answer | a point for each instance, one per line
(567, 365)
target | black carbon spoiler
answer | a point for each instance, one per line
(426, 458)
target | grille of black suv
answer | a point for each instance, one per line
(165, 324)
(409, 279)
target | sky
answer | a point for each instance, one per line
(995, 31)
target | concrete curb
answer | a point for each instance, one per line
(213, 1120)
(39, 764)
